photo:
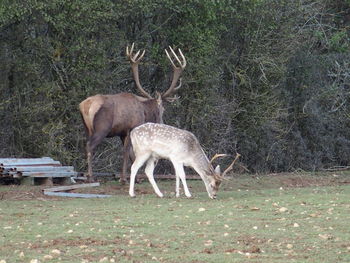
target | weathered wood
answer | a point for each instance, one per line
(48, 174)
(29, 161)
(71, 187)
(39, 168)
(63, 194)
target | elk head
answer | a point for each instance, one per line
(135, 59)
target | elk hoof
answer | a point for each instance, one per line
(122, 181)
(90, 179)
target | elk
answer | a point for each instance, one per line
(152, 141)
(115, 115)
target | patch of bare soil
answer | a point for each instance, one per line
(59, 242)
(18, 192)
(305, 180)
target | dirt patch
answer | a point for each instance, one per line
(18, 192)
(250, 240)
(59, 242)
(310, 180)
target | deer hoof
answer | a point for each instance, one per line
(188, 195)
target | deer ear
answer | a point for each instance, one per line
(218, 170)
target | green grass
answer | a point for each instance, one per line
(249, 224)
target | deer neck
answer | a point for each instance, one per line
(202, 166)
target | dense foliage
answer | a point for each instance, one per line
(267, 78)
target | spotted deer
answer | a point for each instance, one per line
(153, 141)
(116, 114)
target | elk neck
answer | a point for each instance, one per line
(153, 110)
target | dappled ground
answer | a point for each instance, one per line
(237, 182)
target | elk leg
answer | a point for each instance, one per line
(89, 151)
(126, 146)
(89, 161)
(92, 143)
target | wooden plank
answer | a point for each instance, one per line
(10, 159)
(71, 187)
(63, 194)
(29, 161)
(48, 174)
(40, 168)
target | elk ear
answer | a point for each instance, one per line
(218, 170)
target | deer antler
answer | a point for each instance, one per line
(217, 155)
(229, 168)
(177, 72)
(134, 61)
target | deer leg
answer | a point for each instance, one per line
(139, 161)
(180, 172)
(177, 189)
(149, 172)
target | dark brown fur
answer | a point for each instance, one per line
(116, 115)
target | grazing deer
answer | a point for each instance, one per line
(115, 115)
(152, 141)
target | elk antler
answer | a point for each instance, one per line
(229, 168)
(177, 72)
(134, 61)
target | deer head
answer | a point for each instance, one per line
(216, 177)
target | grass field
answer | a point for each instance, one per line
(276, 218)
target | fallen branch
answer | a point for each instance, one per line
(58, 191)
(64, 194)
(70, 187)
